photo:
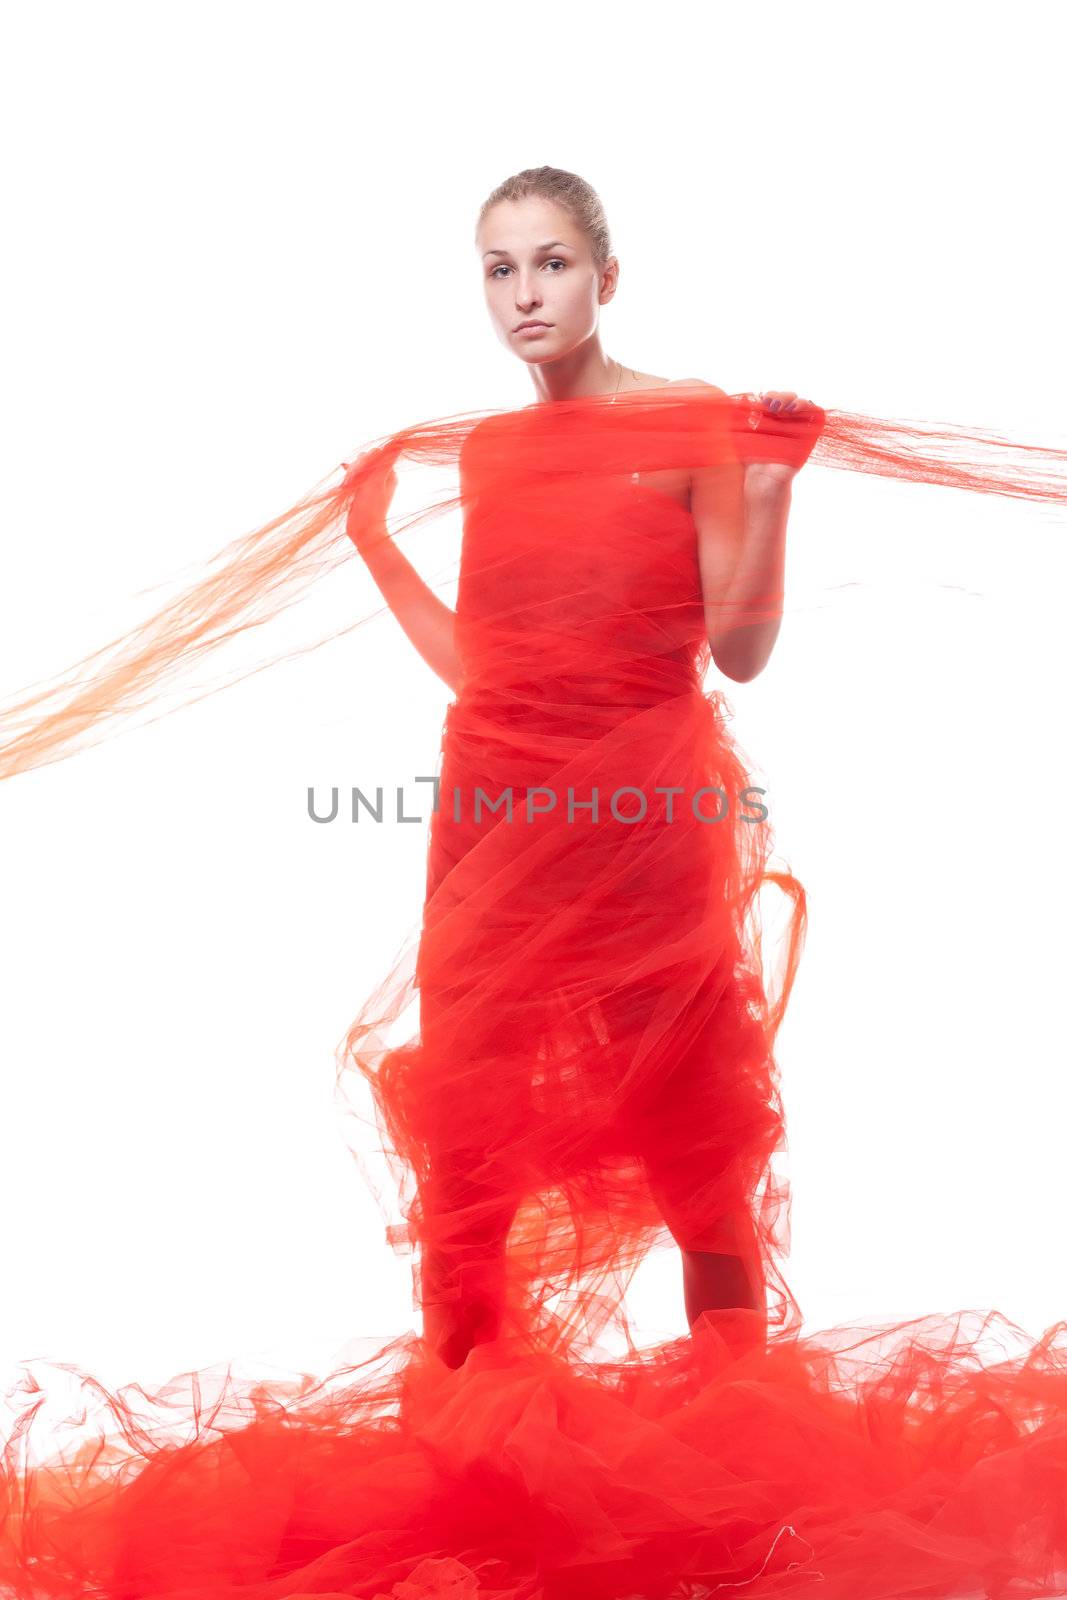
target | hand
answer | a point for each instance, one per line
(782, 400)
(784, 425)
(369, 498)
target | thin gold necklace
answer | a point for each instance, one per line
(618, 380)
(635, 477)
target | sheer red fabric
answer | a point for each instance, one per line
(574, 1061)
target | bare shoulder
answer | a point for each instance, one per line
(695, 383)
(704, 482)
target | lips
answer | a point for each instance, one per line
(534, 324)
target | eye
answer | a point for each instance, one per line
(503, 267)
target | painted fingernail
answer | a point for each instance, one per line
(775, 405)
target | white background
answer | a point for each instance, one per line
(239, 244)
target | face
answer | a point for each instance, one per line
(537, 265)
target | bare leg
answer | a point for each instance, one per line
(462, 1275)
(467, 1200)
(720, 1264)
(453, 1328)
(715, 1280)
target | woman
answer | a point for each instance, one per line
(592, 1067)
(547, 267)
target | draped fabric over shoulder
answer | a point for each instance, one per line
(573, 1061)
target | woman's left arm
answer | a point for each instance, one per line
(741, 513)
(741, 516)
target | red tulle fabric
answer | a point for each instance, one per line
(573, 1061)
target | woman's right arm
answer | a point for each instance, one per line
(429, 623)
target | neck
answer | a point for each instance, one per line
(584, 371)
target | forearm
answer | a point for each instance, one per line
(429, 623)
(750, 615)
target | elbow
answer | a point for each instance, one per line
(742, 654)
(738, 672)
(450, 667)
(456, 676)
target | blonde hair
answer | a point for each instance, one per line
(578, 198)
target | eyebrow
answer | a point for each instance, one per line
(548, 246)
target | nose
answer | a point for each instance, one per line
(526, 297)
